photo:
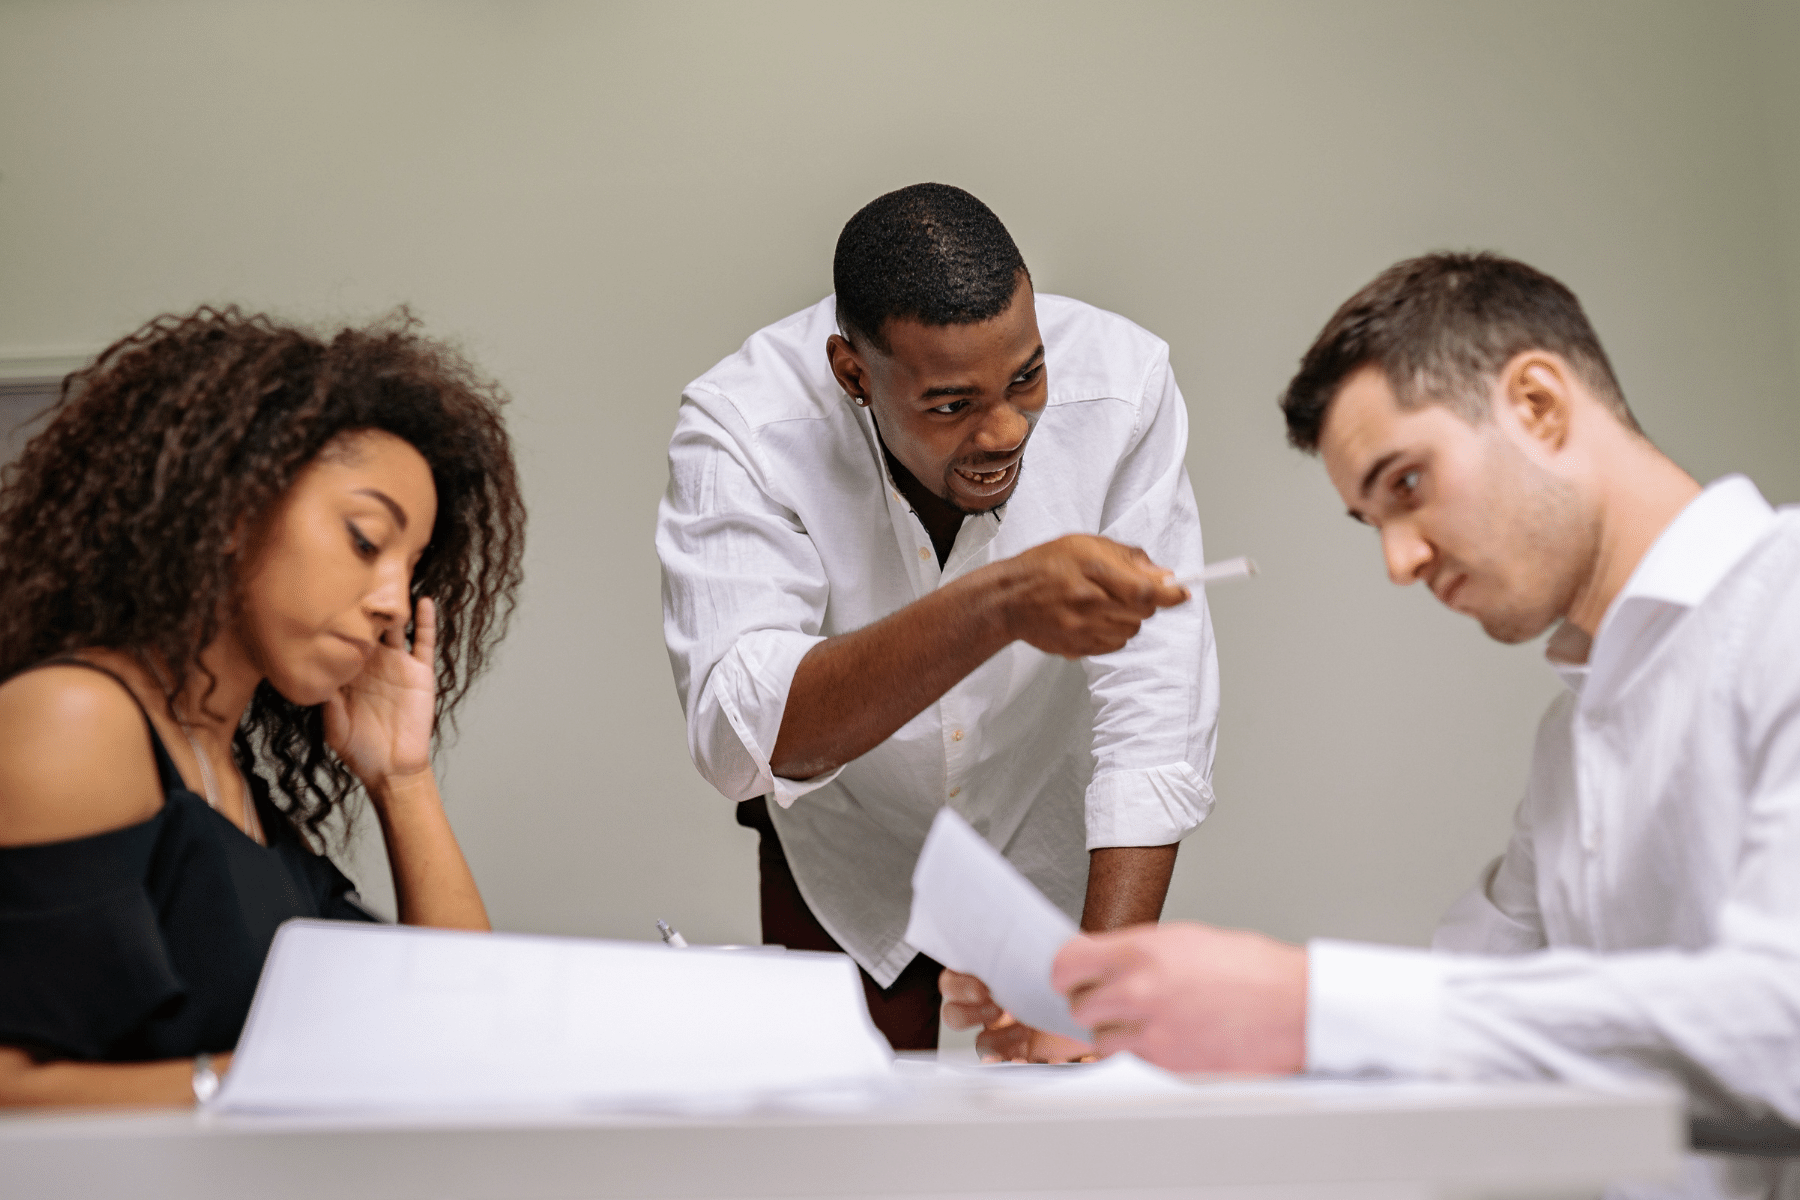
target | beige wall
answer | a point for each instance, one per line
(1777, 73)
(601, 200)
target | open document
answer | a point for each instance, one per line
(974, 912)
(352, 1017)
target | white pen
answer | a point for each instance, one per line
(1219, 572)
(670, 937)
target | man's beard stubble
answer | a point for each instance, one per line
(1548, 540)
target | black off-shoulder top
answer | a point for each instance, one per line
(146, 942)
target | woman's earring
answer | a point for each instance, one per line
(862, 401)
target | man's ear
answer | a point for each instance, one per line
(848, 366)
(1538, 388)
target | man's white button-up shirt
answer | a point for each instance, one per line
(1646, 916)
(781, 527)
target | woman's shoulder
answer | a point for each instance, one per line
(75, 757)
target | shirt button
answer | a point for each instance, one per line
(957, 736)
(955, 792)
(924, 554)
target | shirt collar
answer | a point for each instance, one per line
(1686, 561)
(1701, 545)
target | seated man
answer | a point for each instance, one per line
(1646, 917)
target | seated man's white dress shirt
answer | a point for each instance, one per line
(1645, 918)
(782, 527)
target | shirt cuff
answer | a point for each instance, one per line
(753, 687)
(786, 791)
(1372, 1010)
(1146, 806)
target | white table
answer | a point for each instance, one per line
(952, 1137)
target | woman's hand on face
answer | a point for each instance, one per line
(380, 725)
(380, 722)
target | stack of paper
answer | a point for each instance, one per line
(364, 1017)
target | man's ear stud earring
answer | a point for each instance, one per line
(862, 401)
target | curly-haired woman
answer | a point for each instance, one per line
(235, 546)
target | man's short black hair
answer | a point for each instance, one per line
(1441, 327)
(930, 252)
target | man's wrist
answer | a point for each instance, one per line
(995, 586)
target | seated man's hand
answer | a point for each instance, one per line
(1002, 1039)
(1189, 997)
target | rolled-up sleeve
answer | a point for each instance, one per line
(1156, 701)
(744, 595)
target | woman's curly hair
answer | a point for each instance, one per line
(124, 523)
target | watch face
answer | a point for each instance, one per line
(206, 1080)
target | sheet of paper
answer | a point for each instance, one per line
(974, 912)
(351, 1017)
(1123, 1076)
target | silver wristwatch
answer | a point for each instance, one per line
(206, 1080)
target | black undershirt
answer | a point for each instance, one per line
(942, 519)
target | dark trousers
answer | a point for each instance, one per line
(906, 1012)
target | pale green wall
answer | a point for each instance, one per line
(601, 200)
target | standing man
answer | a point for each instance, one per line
(914, 545)
(1645, 918)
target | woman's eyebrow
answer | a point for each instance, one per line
(399, 513)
